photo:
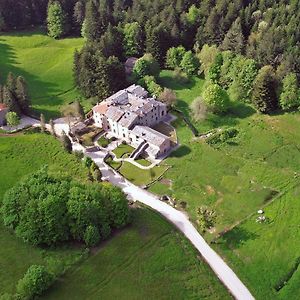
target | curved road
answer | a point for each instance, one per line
(180, 220)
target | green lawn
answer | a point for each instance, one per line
(238, 177)
(135, 174)
(148, 260)
(123, 149)
(46, 65)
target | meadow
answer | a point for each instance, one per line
(147, 259)
(46, 64)
(259, 168)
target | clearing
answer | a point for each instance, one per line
(46, 64)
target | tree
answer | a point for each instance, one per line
(11, 82)
(10, 100)
(43, 123)
(92, 27)
(22, 95)
(264, 96)
(234, 38)
(199, 109)
(97, 175)
(189, 63)
(242, 74)
(150, 84)
(133, 39)
(35, 281)
(207, 57)
(175, 56)
(12, 119)
(168, 97)
(290, 94)
(146, 65)
(66, 142)
(79, 12)
(214, 71)
(55, 20)
(52, 127)
(216, 98)
(91, 236)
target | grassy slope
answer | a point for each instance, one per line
(149, 260)
(19, 156)
(151, 249)
(236, 179)
(45, 63)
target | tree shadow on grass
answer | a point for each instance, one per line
(50, 92)
(181, 151)
(168, 81)
(236, 237)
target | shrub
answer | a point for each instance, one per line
(35, 281)
(91, 236)
(222, 137)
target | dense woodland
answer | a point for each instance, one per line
(266, 32)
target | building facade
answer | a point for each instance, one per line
(129, 115)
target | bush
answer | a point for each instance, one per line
(35, 281)
(222, 137)
(91, 236)
(149, 83)
(180, 76)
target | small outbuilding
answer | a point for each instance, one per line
(129, 65)
(3, 112)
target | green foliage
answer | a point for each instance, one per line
(242, 75)
(206, 218)
(132, 39)
(290, 94)
(146, 65)
(215, 69)
(193, 15)
(35, 281)
(12, 118)
(46, 210)
(91, 236)
(222, 136)
(175, 56)
(189, 63)
(66, 142)
(234, 39)
(264, 95)
(55, 20)
(216, 98)
(207, 56)
(150, 84)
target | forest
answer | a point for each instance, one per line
(219, 34)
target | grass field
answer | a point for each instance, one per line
(46, 65)
(148, 260)
(258, 168)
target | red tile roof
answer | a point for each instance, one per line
(2, 106)
(101, 108)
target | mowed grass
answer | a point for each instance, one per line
(21, 155)
(148, 260)
(257, 169)
(45, 63)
